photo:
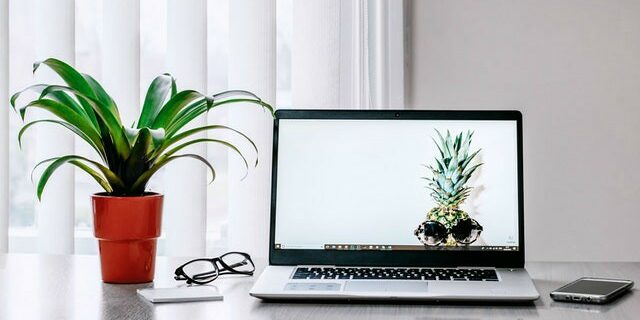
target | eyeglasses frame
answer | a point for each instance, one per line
(223, 269)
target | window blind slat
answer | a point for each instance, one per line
(252, 66)
(55, 37)
(186, 180)
(387, 54)
(121, 56)
(4, 125)
(315, 54)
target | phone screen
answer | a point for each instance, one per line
(592, 287)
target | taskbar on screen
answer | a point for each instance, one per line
(380, 247)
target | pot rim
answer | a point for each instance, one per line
(146, 195)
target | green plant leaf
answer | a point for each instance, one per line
(65, 113)
(140, 184)
(234, 93)
(222, 142)
(96, 145)
(37, 88)
(173, 106)
(83, 109)
(170, 141)
(56, 93)
(105, 108)
(109, 126)
(174, 87)
(68, 74)
(95, 175)
(157, 93)
(51, 168)
(102, 96)
(138, 161)
(194, 110)
(131, 155)
(115, 182)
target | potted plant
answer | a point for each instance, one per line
(127, 218)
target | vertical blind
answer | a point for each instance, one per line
(120, 56)
(343, 54)
(252, 65)
(185, 182)
(55, 37)
(4, 126)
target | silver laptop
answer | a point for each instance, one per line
(407, 205)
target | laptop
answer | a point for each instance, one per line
(397, 204)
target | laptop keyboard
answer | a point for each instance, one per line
(430, 274)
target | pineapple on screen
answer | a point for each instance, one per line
(449, 175)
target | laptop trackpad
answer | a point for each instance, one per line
(393, 285)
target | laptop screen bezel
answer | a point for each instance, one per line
(507, 259)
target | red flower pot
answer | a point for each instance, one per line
(127, 229)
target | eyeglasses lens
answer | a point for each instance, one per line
(200, 270)
(238, 262)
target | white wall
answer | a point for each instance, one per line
(573, 68)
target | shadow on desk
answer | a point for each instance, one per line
(403, 302)
(594, 308)
(360, 309)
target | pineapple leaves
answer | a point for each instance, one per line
(130, 156)
(451, 171)
(439, 149)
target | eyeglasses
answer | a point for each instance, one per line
(203, 271)
(433, 233)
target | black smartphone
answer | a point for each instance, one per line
(592, 290)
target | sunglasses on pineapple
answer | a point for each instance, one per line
(433, 233)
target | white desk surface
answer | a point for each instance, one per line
(69, 287)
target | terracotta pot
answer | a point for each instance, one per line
(127, 229)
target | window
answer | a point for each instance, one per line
(360, 59)
(23, 222)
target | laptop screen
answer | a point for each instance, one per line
(346, 184)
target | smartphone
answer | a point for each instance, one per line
(592, 290)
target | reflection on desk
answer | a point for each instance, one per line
(69, 287)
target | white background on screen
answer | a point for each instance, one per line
(358, 182)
